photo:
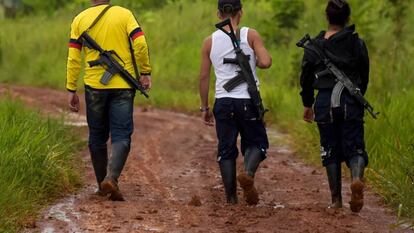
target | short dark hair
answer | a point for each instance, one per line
(338, 12)
(229, 7)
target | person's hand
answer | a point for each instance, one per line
(308, 115)
(208, 118)
(74, 104)
(146, 81)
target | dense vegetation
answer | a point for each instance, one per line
(37, 163)
(175, 31)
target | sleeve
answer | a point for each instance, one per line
(307, 79)
(140, 46)
(73, 67)
(364, 67)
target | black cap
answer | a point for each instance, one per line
(235, 4)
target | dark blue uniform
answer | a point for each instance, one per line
(341, 128)
(234, 117)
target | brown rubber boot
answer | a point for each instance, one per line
(357, 165)
(99, 192)
(357, 196)
(249, 191)
(110, 186)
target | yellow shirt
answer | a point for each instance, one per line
(112, 32)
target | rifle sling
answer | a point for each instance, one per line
(134, 62)
(238, 36)
(99, 17)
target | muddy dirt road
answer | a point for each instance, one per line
(173, 159)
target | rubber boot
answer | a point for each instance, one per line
(228, 175)
(333, 172)
(99, 157)
(252, 158)
(120, 151)
(119, 156)
(357, 166)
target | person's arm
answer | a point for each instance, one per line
(141, 50)
(307, 93)
(205, 81)
(264, 60)
(73, 67)
(364, 67)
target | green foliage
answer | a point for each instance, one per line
(1, 53)
(35, 50)
(285, 20)
(51, 6)
(47, 6)
(287, 13)
(141, 5)
(37, 163)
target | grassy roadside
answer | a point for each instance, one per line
(38, 163)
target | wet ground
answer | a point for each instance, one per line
(171, 184)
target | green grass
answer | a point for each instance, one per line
(37, 163)
(175, 34)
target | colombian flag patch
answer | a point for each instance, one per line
(75, 44)
(136, 33)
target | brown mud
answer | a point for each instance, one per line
(172, 165)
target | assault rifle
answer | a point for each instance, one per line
(342, 80)
(245, 75)
(110, 64)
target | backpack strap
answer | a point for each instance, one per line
(99, 17)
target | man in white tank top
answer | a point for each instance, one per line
(234, 112)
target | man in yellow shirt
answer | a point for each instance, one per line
(109, 107)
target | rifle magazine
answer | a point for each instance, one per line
(233, 83)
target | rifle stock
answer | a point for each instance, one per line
(223, 23)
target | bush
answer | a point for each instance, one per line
(285, 21)
(44, 6)
(37, 163)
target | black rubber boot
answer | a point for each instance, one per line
(333, 172)
(253, 156)
(228, 175)
(357, 165)
(119, 155)
(99, 156)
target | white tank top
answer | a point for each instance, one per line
(222, 48)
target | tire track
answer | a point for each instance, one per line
(173, 158)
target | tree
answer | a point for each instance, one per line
(10, 7)
(287, 15)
